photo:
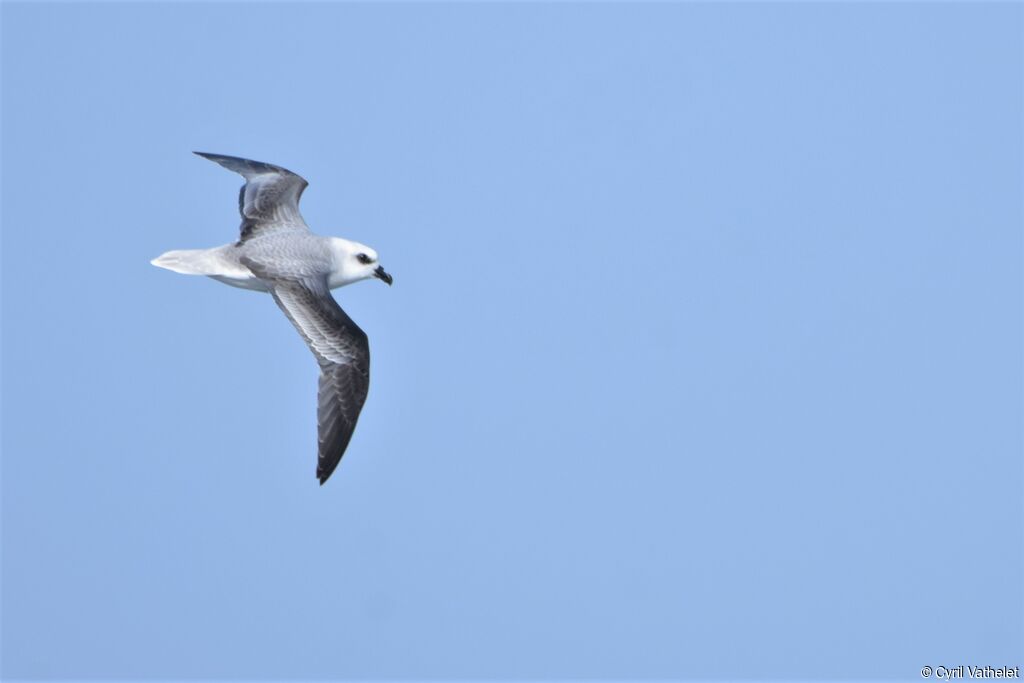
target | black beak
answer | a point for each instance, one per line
(381, 274)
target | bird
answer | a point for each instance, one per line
(277, 253)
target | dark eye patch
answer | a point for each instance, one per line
(363, 258)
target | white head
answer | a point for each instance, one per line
(354, 262)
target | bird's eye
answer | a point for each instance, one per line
(363, 258)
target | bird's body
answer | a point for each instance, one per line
(277, 253)
(285, 253)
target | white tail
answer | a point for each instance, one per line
(220, 263)
(191, 261)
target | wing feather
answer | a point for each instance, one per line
(269, 200)
(343, 352)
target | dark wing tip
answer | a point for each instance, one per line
(212, 157)
(324, 475)
(236, 164)
(249, 167)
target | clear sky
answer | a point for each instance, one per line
(703, 358)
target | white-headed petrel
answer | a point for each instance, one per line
(277, 253)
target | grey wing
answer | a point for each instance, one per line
(343, 389)
(341, 349)
(269, 200)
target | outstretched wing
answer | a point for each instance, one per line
(269, 200)
(343, 352)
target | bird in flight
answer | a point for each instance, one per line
(277, 253)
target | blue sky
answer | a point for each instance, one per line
(703, 358)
